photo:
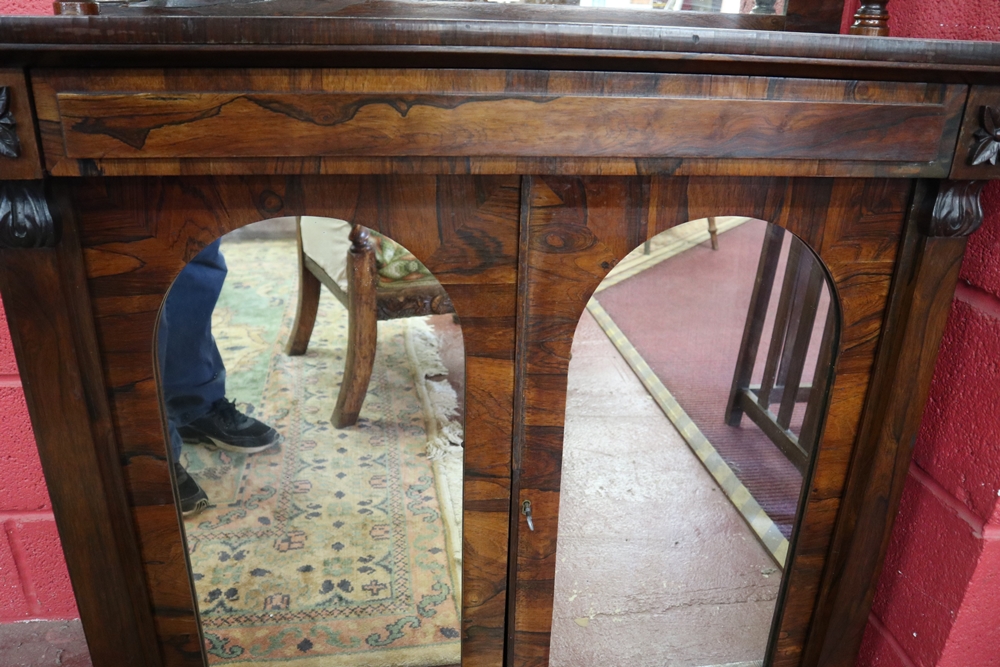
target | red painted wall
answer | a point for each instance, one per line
(34, 583)
(936, 601)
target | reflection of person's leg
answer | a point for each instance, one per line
(193, 374)
(194, 377)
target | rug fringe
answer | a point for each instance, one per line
(445, 435)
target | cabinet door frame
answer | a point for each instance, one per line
(91, 305)
(893, 284)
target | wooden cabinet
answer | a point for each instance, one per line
(520, 160)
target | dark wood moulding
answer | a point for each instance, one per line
(477, 35)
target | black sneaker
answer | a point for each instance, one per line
(231, 430)
(193, 498)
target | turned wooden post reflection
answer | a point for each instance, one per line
(362, 328)
(76, 8)
(763, 7)
(871, 19)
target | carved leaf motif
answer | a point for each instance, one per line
(991, 121)
(10, 145)
(25, 219)
(987, 138)
(957, 210)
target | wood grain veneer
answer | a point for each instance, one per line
(49, 312)
(251, 114)
(923, 286)
(457, 34)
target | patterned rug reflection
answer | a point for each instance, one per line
(331, 548)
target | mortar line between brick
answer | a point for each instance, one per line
(23, 574)
(10, 381)
(26, 515)
(979, 298)
(948, 500)
(891, 640)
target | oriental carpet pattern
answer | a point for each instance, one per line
(331, 548)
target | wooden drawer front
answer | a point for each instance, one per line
(354, 113)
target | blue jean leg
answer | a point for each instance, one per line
(191, 369)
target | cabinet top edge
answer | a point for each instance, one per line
(486, 32)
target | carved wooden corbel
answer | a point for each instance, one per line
(10, 145)
(25, 219)
(957, 211)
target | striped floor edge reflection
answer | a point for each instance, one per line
(762, 525)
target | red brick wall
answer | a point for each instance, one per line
(34, 583)
(936, 601)
(29, 7)
(33, 578)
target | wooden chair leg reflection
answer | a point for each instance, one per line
(353, 275)
(362, 328)
(308, 304)
(362, 323)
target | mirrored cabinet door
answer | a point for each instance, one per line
(360, 528)
(696, 349)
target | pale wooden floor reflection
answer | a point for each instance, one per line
(655, 567)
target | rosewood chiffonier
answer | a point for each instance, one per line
(519, 151)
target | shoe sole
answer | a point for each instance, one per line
(236, 449)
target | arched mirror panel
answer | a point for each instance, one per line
(697, 386)
(312, 379)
